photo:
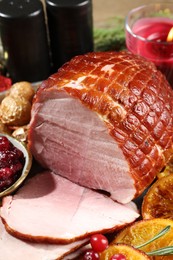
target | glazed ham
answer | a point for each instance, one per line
(52, 209)
(104, 121)
(16, 249)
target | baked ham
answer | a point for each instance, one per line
(52, 209)
(104, 121)
(16, 249)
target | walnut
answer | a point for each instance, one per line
(15, 111)
(21, 133)
(22, 89)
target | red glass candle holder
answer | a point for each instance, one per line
(147, 29)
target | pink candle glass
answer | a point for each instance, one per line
(147, 29)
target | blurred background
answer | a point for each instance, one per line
(62, 32)
(104, 10)
(109, 20)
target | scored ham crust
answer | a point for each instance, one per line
(105, 121)
(52, 209)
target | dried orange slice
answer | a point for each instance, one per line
(167, 170)
(158, 201)
(128, 251)
(142, 231)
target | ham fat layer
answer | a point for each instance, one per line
(104, 121)
(50, 208)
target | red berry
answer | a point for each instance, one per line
(19, 154)
(7, 158)
(16, 167)
(98, 242)
(11, 163)
(5, 184)
(6, 178)
(91, 255)
(4, 143)
(5, 173)
(118, 257)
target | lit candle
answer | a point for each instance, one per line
(152, 38)
(170, 36)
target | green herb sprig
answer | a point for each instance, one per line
(160, 234)
(161, 251)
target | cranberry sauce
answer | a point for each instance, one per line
(11, 163)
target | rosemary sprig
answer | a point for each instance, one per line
(162, 251)
(160, 234)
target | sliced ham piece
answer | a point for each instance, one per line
(50, 208)
(104, 121)
(15, 249)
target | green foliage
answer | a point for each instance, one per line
(111, 37)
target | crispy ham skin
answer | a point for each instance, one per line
(52, 209)
(104, 121)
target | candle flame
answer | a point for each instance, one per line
(170, 36)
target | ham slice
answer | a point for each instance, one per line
(50, 208)
(104, 121)
(15, 249)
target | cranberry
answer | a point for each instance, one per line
(118, 257)
(18, 153)
(98, 242)
(16, 167)
(7, 158)
(5, 184)
(5, 173)
(4, 143)
(91, 255)
(11, 163)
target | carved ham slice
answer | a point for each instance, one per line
(50, 208)
(16, 249)
(104, 121)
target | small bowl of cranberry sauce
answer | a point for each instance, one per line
(15, 164)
